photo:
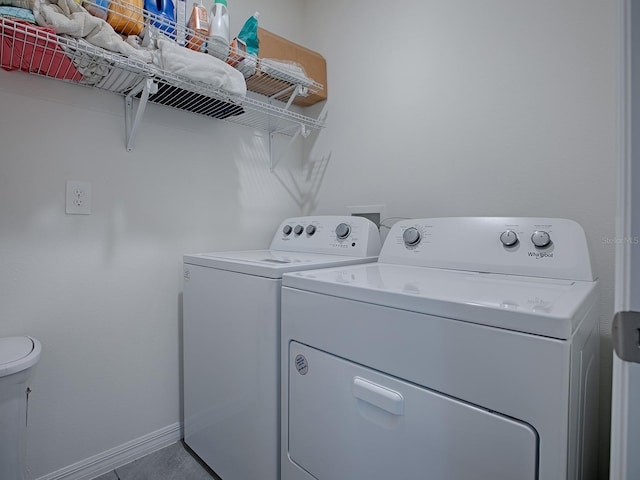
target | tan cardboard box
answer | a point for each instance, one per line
(279, 48)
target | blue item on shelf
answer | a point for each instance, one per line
(249, 34)
(163, 16)
(18, 13)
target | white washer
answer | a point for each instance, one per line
(231, 339)
(469, 351)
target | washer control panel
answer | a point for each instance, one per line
(545, 247)
(341, 235)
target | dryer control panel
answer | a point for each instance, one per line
(331, 234)
(539, 247)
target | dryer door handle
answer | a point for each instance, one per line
(377, 395)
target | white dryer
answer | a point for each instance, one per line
(469, 351)
(231, 339)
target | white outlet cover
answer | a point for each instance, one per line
(78, 198)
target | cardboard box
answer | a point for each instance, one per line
(279, 48)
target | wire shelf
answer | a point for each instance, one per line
(40, 51)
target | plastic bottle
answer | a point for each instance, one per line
(249, 34)
(218, 41)
(181, 22)
(163, 16)
(198, 27)
(97, 8)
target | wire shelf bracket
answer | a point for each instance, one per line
(132, 123)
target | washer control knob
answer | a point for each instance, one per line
(298, 230)
(342, 231)
(287, 230)
(540, 238)
(509, 238)
(311, 229)
(411, 236)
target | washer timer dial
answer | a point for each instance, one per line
(509, 238)
(411, 237)
(342, 231)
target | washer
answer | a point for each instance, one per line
(469, 351)
(231, 335)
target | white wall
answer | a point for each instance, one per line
(453, 108)
(102, 292)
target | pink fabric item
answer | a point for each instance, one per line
(34, 49)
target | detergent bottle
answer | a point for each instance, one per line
(218, 40)
(163, 16)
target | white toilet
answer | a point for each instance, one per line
(18, 357)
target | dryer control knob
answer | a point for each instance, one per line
(298, 230)
(311, 229)
(509, 238)
(287, 230)
(540, 238)
(411, 237)
(342, 231)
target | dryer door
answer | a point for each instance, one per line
(348, 421)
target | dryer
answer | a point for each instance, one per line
(231, 339)
(469, 351)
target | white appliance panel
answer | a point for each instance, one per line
(377, 427)
(462, 311)
(271, 263)
(548, 307)
(231, 333)
(529, 375)
(333, 235)
(231, 411)
(474, 244)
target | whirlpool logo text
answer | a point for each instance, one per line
(540, 255)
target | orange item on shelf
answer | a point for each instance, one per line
(125, 16)
(199, 27)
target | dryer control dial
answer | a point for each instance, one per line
(541, 239)
(509, 238)
(411, 237)
(298, 230)
(342, 231)
(287, 229)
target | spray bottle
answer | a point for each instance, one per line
(218, 40)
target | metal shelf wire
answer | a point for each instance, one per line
(40, 51)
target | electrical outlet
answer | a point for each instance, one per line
(78, 198)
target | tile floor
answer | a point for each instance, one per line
(175, 462)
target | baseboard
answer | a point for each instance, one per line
(121, 455)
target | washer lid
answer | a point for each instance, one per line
(541, 306)
(18, 353)
(271, 263)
